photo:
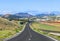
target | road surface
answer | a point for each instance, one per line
(29, 35)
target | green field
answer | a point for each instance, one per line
(45, 27)
(6, 33)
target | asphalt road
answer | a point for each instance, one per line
(29, 35)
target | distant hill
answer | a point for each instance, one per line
(22, 14)
(0, 15)
(41, 15)
(56, 12)
(44, 14)
(16, 16)
(6, 15)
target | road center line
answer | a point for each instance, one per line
(29, 33)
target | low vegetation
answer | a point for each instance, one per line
(9, 28)
(45, 27)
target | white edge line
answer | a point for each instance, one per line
(47, 36)
(15, 34)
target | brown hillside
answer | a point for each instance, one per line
(7, 25)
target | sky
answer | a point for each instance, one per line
(13, 6)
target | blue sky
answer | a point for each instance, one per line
(13, 6)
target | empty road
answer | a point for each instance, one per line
(29, 35)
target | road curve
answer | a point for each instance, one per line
(29, 35)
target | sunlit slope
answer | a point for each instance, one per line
(7, 25)
(9, 28)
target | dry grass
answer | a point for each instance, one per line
(7, 25)
(9, 28)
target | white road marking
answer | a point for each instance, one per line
(29, 35)
(29, 39)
